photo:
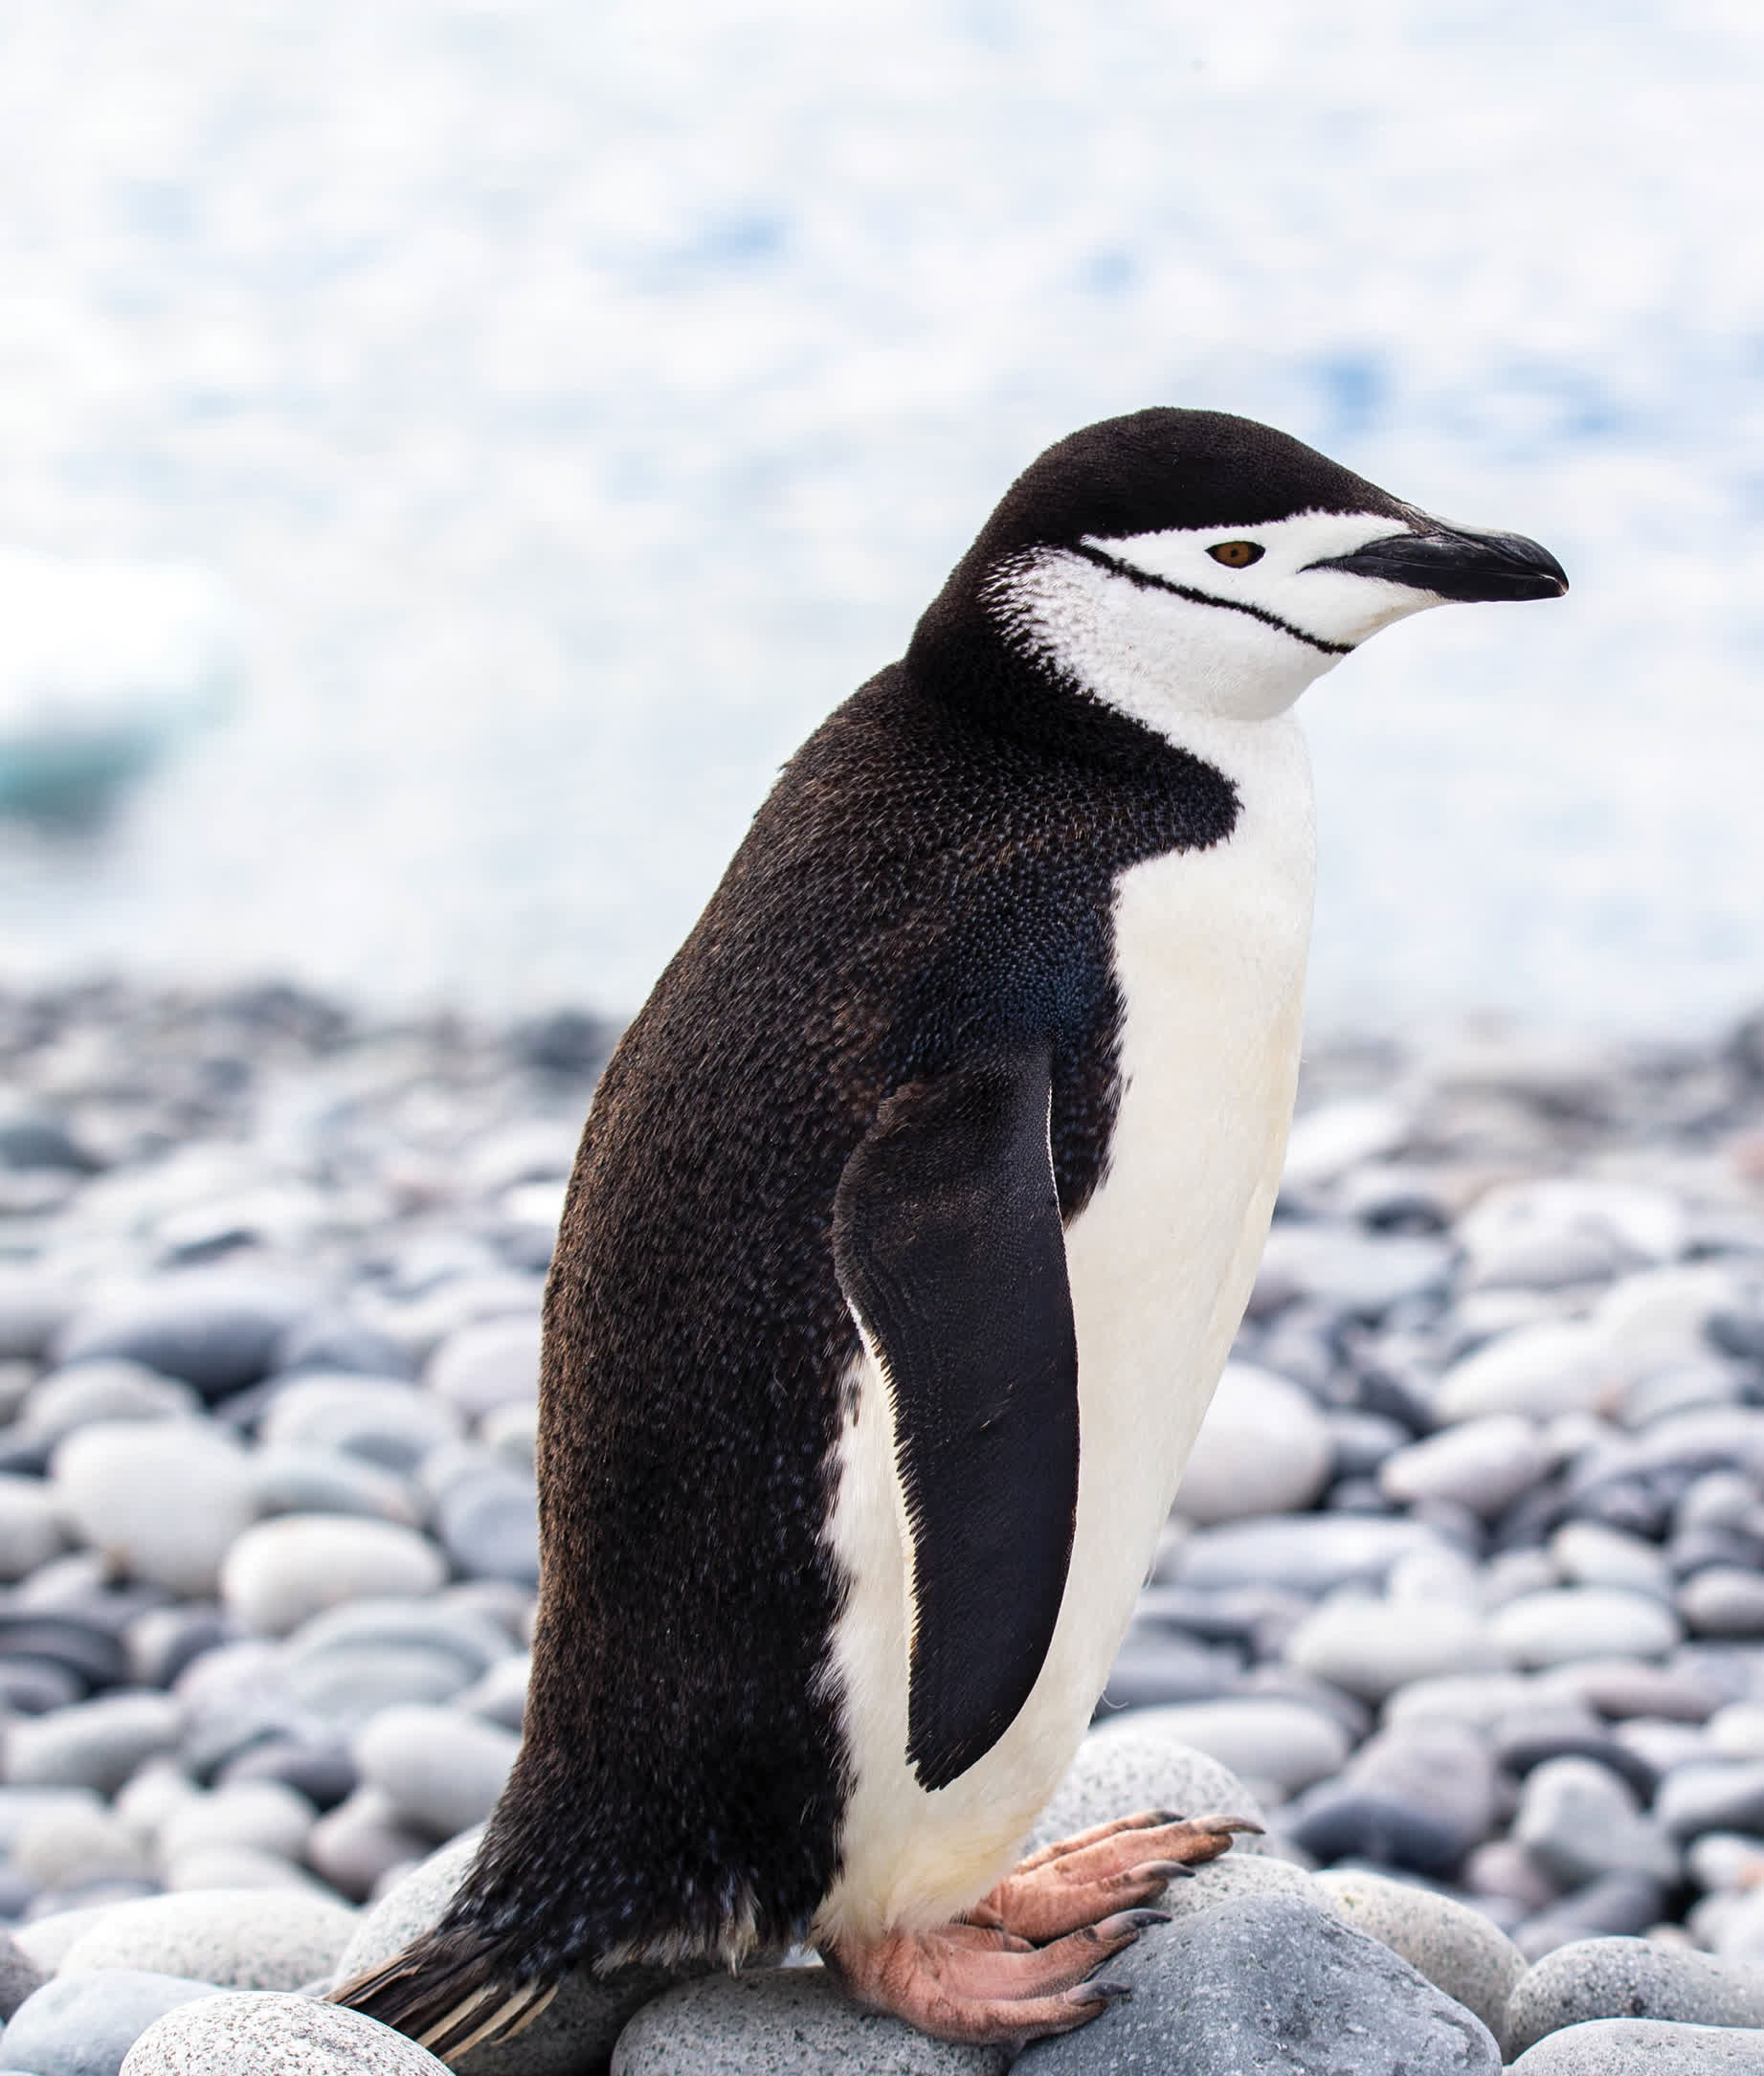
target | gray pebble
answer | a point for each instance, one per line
(166, 1498)
(288, 2035)
(1579, 1821)
(1630, 1979)
(350, 1683)
(500, 1695)
(1419, 1797)
(409, 1907)
(19, 1975)
(1455, 1946)
(1644, 2047)
(281, 1571)
(1482, 1465)
(305, 1478)
(442, 1769)
(265, 1814)
(1583, 1621)
(70, 1848)
(31, 1531)
(96, 1744)
(447, 1624)
(491, 1363)
(1311, 1554)
(242, 1938)
(1615, 1905)
(84, 2024)
(383, 1422)
(1269, 1983)
(1282, 1742)
(34, 1304)
(216, 1328)
(360, 1840)
(110, 1389)
(1264, 1448)
(489, 1524)
(1372, 1647)
(1723, 1600)
(1714, 1795)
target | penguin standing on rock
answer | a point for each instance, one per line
(912, 1222)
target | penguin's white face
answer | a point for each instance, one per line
(1229, 621)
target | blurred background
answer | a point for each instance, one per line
(450, 454)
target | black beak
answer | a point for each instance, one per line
(1453, 564)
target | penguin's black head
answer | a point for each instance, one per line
(1188, 560)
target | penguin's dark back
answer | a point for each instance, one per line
(929, 880)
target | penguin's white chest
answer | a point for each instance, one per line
(1210, 962)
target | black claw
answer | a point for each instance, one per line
(1144, 1920)
(1107, 1993)
(1169, 1869)
(1168, 1815)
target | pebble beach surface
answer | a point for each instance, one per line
(1463, 1595)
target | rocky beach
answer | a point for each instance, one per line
(1463, 1599)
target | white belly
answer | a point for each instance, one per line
(1210, 957)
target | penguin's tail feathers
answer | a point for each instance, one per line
(449, 1990)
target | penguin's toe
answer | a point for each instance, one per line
(981, 1984)
(1099, 1873)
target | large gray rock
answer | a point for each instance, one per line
(442, 1768)
(1136, 1763)
(280, 2036)
(83, 2025)
(242, 1938)
(1457, 1948)
(782, 2022)
(1630, 1979)
(1644, 2047)
(575, 2031)
(1271, 1983)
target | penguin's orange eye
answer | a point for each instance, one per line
(1237, 554)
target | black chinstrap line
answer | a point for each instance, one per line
(1145, 579)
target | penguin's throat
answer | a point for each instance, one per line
(1155, 654)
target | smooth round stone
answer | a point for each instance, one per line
(463, 1631)
(1677, 1389)
(19, 1975)
(1616, 1906)
(155, 1791)
(215, 1329)
(1644, 2047)
(392, 1424)
(500, 1695)
(1507, 1871)
(103, 1389)
(1719, 1499)
(1231, 1878)
(494, 1362)
(1360, 1441)
(45, 1939)
(281, 1571)
(1475, 1700)
(408, 1908)
(1726, 1859)
(96, 1744)
(1556, 1366)
(1723, 1601)
(360, 1840)
(1579, 1821)
(1455, 1946)
(166, 1498)
(278, 2035)
(511, 1434)
(443, 1770)
(1583, 1621)
(489, 1524)
(333, 1341)
(1270, 1982)
(1630, 1979)
(321, 1771)
(84, 2024)
(1567, 1230)
(349, 1685)
(265, 1814)
(1588, 1554)
(236, 1867)
(67, 1848)
(1340, 1135)
(1282, 1742)
(1531, 1736)
(1308, 1554)
(1623, 1687)
(34, 1307)
(1738, 1730)
(1372, 1647)
(164, 1639)
(1713, 1795)
(33, 1686)
(31, 1531)
(1352, 1271)
(785, 2022)
(304, 1478)
(1418, 1797)
(1136, 1763)
(1264, 1448)
(242, 1938)
(1483, 1465)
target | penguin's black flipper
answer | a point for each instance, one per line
(948, 1240)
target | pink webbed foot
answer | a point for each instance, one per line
(1080, 1880)
(980, 1983)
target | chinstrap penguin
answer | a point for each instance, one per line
(912, 1222)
